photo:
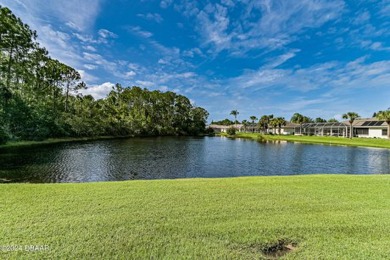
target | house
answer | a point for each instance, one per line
(363, 127)
(369, 127)
(324, 129)
(224, 128)
(287, 129)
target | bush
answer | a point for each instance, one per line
(4, 137)
(231, 131)
(210, 131)
(261, 138)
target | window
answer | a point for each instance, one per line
(361, 131)
(384, 131)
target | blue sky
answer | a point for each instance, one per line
(318, 58)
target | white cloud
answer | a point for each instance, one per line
(130, 74)
(152, 17)
(228, 3)
(97, 59)
(361, 18)
(138, 31)
(134, 66)
(86, 77)
(143, 83)
(163, 88)
(83, 13)
(104, 33)
(263, 24)
(89, 48)
(192, 52)
(98, 91)
(162, 61)
(279, 60)
(384, 8)
(165, 3)
(90, 66)
(59, 46)
(213, 23)
(79, 15)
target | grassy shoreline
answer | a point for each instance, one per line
(323, 216)
(22, 143)
(329, 140)
(58, 140)
(365, 142)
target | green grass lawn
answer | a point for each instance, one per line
(368, 142)
(321, 216)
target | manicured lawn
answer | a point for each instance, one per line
(320, 216)
(369, 142)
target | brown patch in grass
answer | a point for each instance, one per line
(278, 249)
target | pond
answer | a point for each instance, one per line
(182, 157)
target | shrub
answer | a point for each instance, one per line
(231, 131)
(210, 131)
(4, 137)
(261, 138)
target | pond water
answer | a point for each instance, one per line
(182, 157)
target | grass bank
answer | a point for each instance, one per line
(331, 140)
(312, 217)
(57, 140)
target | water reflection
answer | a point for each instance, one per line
(175, 157)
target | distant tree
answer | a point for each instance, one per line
(245, 124)
(351, 116)
(197, 123)
(231, 131)
(277, 123)
(253, 118)
(223, 122)
(264, 122)
(273, 124)
(71, 78)
(16, 40)
(235, 114)
(333, 120)
(300, 119)
(319, 120)
(385, 115)
(280, 122)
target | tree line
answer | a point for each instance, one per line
(39, 97)
(269, 121)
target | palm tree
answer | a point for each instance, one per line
(274, 124)
(253, 118)
(385, 115)
(245, 124)
(298, 119)
(351, 116)
(319, 120)
(264, 121)
(235, 114)
(280, 122)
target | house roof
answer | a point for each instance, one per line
(368, 123)
(290, 125)
(287, 125)
(324, 125)
(225, 126)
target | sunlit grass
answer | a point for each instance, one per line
(327, 216)
(368, 142)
